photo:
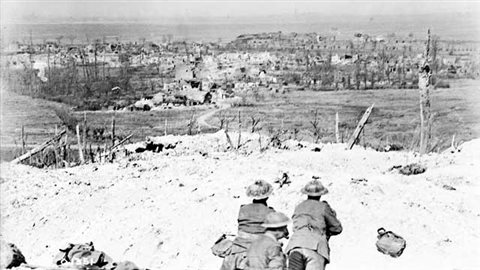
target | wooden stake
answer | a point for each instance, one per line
(80, 149)
(40, 147)
(229, 140)
(111, 150)
(57, 156)
(23, 140)
(65, 149)
(165, 132)
(360, 126)
(92, 158)
(69, 152)
(84, 128)
(337, 134)
(363, 139)
(113, 130)
(240, 130)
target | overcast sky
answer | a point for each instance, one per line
(35, 10)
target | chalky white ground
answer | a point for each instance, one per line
(164, 211)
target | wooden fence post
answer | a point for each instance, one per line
(240, 130)
(23, 140)
(80, 148)
(337, 134)
(113, 130)
(165, 132)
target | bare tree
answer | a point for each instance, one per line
(255, 122)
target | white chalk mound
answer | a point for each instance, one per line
(164, 210)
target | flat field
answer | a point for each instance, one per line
(395, 118)
(39, 121)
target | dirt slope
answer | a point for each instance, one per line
(163, 211)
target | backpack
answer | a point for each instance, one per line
(222, 247)
(390, 243)
(83, 255)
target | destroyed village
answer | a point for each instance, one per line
(239, 135)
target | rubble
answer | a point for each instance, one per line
(412, 169)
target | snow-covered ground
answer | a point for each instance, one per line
(165, 210)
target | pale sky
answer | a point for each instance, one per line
(34, 10)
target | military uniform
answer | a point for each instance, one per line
(251, 216)
(250, 219)
(266, 254)
(314, 222)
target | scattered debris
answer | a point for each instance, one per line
(447, 187)
(394, 167)
(410, 169)
(82, 255)
(284, 180)
(358, 180)
(150, 146)
(156, 147)
(392, 147)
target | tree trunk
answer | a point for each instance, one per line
(424, 88)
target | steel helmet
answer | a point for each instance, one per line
(314, 188)
(261, 189)
(275, 220)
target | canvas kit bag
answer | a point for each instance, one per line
(390, 243)
(222, 246)
(83, 255)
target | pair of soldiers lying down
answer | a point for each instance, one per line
(260, 227)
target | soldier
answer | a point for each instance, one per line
(314, 221)
(266, 253)
(250, 219)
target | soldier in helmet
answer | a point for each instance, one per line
(250, 219)
(314, 221)
(266, 252)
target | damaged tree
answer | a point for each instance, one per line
(424, 77)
